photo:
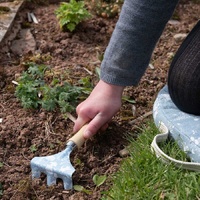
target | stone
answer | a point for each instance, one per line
(25, 44)
(124, 152)
(180, 37)
(6, 20)
(173, 22)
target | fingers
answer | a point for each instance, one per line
(94, 125)
(104, 127)
(80, 122)
(99, 108)
(96, 120)
(99, 122)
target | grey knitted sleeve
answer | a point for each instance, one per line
(137, 31)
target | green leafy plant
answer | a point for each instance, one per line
(33, 91)
(33, 148)
(86, 85)
(63, 96)
(71, 14)
(99, 179)
(79, 163)
(29, 85)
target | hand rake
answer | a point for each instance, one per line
(58, 165)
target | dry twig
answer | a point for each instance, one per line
(141, 117)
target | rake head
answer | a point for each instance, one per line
(55, 166)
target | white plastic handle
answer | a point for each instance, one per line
(193, 166)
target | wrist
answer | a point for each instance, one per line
(110, 89)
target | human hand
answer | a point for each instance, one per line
(99, 108)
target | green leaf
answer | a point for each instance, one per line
(99, 180)
(80, 188)
(97, 70)
(1, 164)
(49, 104)
(79, 162)
(33, 148)
(37, 71)
(28, 102)
(127, 98)
(55, 81)
(51, 96)
(86, 82)
(71, 26)
(71, 14)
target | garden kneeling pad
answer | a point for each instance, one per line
(183, 128)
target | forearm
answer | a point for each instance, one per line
(139, 27)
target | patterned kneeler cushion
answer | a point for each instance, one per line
(182, 127)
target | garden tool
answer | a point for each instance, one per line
(58, 165)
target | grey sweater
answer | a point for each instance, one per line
(137, 31)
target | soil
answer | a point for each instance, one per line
(75, 55)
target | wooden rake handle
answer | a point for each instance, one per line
(78, 138)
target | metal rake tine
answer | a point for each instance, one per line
(51, 179)
(67, 185)
(58, 165)
(35, 173)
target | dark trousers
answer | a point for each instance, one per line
(184, 74)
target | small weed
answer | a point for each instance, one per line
(1, 164)
(35, 58)
(33, 148)
(86, 85)
(33, 91)
(71, 14)
(79, 163)
(80, 188)
(51, 146)
(29, 85)
(99, 180)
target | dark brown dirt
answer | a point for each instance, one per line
(72, 54)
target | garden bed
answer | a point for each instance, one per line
(72, 56)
